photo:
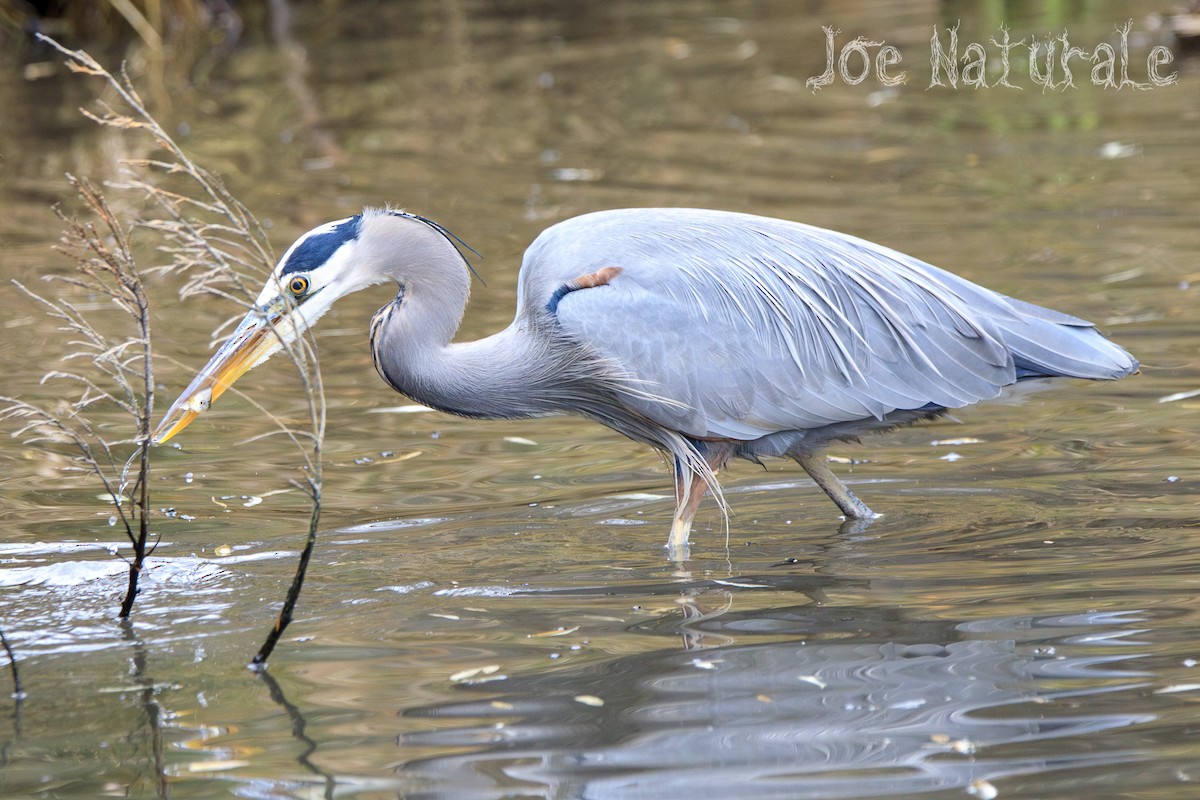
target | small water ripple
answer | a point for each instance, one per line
(60, 604)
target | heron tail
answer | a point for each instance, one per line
(1049, 344)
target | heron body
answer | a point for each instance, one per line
(705, 334)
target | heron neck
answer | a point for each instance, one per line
(487, 378)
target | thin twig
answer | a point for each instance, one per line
(259, 662)
(18, 691)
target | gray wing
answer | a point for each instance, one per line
(749, 326)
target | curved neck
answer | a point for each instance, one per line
(494, 377)
(434, 279)
(411, 336)
(524, 370)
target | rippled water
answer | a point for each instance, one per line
(491, 614)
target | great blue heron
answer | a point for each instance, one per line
(706, 334)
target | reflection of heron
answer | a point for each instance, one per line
(706, 334)
(839, 701)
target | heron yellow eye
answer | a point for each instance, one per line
(298, 285)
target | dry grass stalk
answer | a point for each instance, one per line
(219, 248)
(208, 233)
(213, 242)
(215, 246)
(110, 372)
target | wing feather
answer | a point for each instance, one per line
(751, 326)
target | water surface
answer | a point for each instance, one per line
(491, 613)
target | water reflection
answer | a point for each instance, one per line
(299, 732)
(869, 703)
(155, 716)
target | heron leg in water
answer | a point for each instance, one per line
(690, 487)
(831, 484)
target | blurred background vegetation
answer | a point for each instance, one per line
(152, 21)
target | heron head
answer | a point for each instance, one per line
(328, 262)
(321, 266)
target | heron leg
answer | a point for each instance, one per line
(822, 475)
(689, 491)
(690, 488)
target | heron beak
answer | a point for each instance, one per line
(253, 342)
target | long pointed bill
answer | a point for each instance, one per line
(254, 341)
